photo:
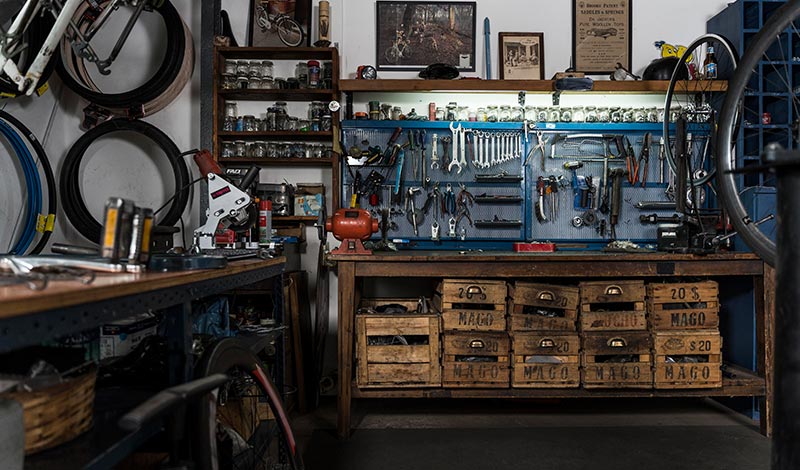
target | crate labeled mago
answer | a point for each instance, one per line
(683, 306)
(612, 306)
(542, 307)
(475, 359)
(399, 349)
(472, 305)
(688, 359)
(618, 359)
(541, 360)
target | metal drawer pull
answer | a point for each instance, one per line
(547, 343)
(472, 291)
(476, 344)
(617, 343)
(547, 296)
(613, 290)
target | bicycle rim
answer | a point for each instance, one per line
(242, 425)
(696, 101)
(290, 32)
(764, 77)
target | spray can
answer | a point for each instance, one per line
(264, 222)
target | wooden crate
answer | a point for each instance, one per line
(613, 306)
(472, 305)
(542, 360)
(689, 345)
(475, 359)
(526, 297)
(599, 350)
(397, 365)
(683, 306)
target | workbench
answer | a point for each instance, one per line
(575, 266)
(29, 317)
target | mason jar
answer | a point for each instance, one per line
(639, 115)
(243, 67)
(326, 123)
(542, 114)
(301, 74)
(228, 150)
(272, 150)
(230, 67)
(260, 150)
(628, 115)
(239, 149)
(317, 108)
(578, 114)
(491, 114)
(440, 115)
(304, 125)
(566, 114)
(396, 113)
(516, 113)
(603, 114)
(616, 114)
(229, 81)
(652, 114)
(463, 113)
(281, 120)
(242, 82)
(504, 115)
(249, 123)
(451, 113)
(266, 69)
(292, 124)
(591, 114)
(481, 115)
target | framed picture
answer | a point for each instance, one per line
(601, 35)
(279, 23)
(521, 56)
(413, 35)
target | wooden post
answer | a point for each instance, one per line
(347, 299)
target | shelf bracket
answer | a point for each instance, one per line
(556, 97)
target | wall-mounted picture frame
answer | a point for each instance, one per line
(413, 35)
(279, 23)
(601, 35)
(521, 56)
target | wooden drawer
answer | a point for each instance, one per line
(475, 359)
(616, 360)
(688, 359)
(471, 316)
(545, 360)
(399, 350)
(692, 342)
(613, 306)
(542, 307)
(473, 291)
(683, 306)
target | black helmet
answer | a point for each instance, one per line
(661, 69)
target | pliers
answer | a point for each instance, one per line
(631, 164)
(644, 156)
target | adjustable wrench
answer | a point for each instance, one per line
(435, 152)
(458, 147)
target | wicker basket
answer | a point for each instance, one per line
(58, 413)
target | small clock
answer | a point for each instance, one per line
(334, 106)
(367, 72)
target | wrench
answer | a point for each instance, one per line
(494, 160)
(462, 144)
(458, 147)
(435, 152)
(435, 231)
(478, 162)
(452, 227)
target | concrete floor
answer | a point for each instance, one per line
(620, 415)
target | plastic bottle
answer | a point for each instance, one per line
(264, 221)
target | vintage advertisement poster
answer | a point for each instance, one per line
(601, 35)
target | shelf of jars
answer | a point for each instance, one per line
(543, 86)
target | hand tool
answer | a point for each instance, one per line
(631, 165)
(451, 225)
(579, 186)
(390, 151)
(446, 152)
(553, 181)
(462, 149)
(661, 157)
(470, 147)
(616, 199)
(604, 196)
(421, 146)
(435, 231)
(413, 151)
(449, 201)
(590, 215)
(435, 152)
(434, 200)
(413, 214)
(487, 38)
(644, 159)
(398, 178)
(464, 201)
(495, 150)
(478, 163)
(540, 215)
(458, 142)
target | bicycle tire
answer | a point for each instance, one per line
(224, 356)
(69, 184)
(37, 33)
(285, 33)
(168, 71)
(673, 82)
(391, 55)
(726, 184)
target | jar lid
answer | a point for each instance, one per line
(313, 63)
(360, 115)
(266, 62)
(280, 103)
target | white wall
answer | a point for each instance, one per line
(677, 21)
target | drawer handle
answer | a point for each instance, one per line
(547, 296)
(617, 343)
(476, 344)
(472, 291)
(547, 343)
(613, 290)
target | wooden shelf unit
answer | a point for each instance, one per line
(270, 95)
(541, 86)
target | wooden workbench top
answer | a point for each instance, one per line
(19, 300)
(501, 256)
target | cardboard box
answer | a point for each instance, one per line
(119, 338)
(309, 204)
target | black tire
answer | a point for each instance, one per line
(167, 72)
(675, 86)
(69, 184)
(728, 191)
(230, 357)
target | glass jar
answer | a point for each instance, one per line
(266, 69)
(440, 115)
(660, 114)
(230, 67)
(542, 114)
(317, 108)
(591, 114)
(316, 151)
(315, 126)
(674, 113)
(517, 113)
(491, 114)
(301, 73)
(243, 67)
(239, 124)
(451, 113)
(231, 109)
(282, 149)
(242, 82)
(472, 116)
(282, 106)
(249, 123)
(639, 115)
(279, 83)
(249, 150)
(260, 149)
(327, 74)
(281, 120)
(292, 83)
(566, 114)
(396, 113)
(267, 83)
(504, 115)
(229, 123)
(254, 83)
(463, 113)
(481, 115)
(327, 151)
(627, 114)
(229, 81)
(326, 123)
(272, 150)
(578, 114)
(615, 114)
(553, 114)
(269, 119)
(652, 114)
(292, 123)
(239, 149)
(313, 74)
(386, 112)
(228, 150)
(603, 114)
(304, 125)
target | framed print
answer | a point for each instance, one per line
(521, 56)
(279, 23)
(601, 35)
(413, 35)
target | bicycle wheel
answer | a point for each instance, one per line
(392, 54)
(763, 79)
(697, 102)
(290, 32)
(242, 425)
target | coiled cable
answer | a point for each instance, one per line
(69, 183)
(33, 184)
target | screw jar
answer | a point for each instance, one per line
(491, 114)
(504, 115)
(228, 150)
(243, 67)
(301, 74)
(481, 115)
(591, 114)
(452, 111)
(249, 123)
(313, 74)
(239, 149)
(326, 123)
(566, 114)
